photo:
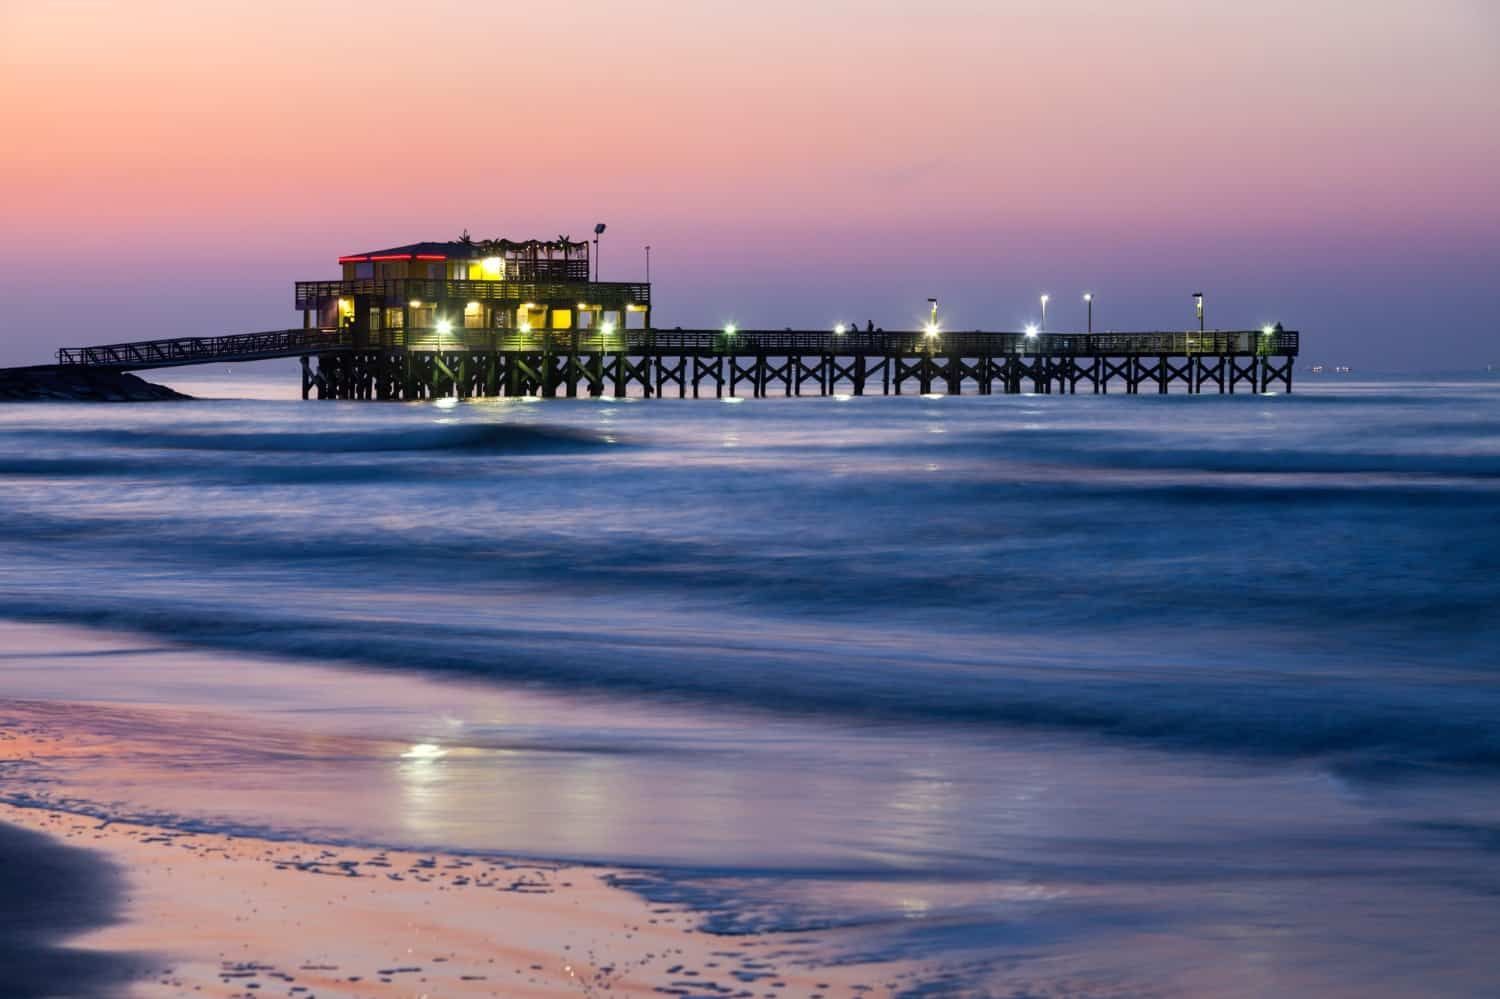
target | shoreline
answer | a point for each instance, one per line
(211, 909)
(225, 915)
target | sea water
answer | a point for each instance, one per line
(1113, 693)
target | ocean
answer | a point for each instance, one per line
(1128, 695)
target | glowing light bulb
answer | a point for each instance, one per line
(729, 329)
(1031, 330)
(444, 326)
(839, 329)
(930, 329)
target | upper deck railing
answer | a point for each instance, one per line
(179, 351)
(399, 291)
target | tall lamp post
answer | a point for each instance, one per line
(1044, 312)
(1198, 304)
(648, 263)
(598, 231)
(1088, 297)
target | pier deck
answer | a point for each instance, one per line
(422, 364)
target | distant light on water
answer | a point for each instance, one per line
(424, 751)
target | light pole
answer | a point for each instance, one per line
(1088, 297)
(1198, 304)
(1044, 312)
(598, 231)
(648, 263)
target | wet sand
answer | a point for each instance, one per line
(232, 916)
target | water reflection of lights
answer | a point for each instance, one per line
(914, 908)
(424, 789)
(734, 398)
(446, 403)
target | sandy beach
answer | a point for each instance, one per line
(101, 906)
(231, 916)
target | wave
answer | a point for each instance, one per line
(429, 437)
(1133, 694)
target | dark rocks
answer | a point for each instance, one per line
(79, 384)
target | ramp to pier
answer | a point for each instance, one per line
(179, 351)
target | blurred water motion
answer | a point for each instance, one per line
(1200, 684)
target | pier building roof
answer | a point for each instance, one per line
(475, 249)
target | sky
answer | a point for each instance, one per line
(172, 168)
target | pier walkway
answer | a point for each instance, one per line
(422, 364)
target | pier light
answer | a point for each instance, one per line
(931, 329)
(415, 303)
(839, 329)
(1031, 329)
(1267, 330)
(1088, 299)
(525, 327)
(729, 329)
(1045, 299)
(607, 328)
(492, 266)
(444, 327)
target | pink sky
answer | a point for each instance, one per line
(1334, 164)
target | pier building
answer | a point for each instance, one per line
(465, 292)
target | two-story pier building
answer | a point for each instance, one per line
(445, 295)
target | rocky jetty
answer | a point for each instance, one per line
(51, 381)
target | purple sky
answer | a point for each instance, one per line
(172, 168)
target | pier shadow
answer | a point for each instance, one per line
(49, 893)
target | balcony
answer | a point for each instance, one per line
(399, 291)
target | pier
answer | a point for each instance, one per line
(394, 365)
(473, 318)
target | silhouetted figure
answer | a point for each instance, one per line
(869, 326)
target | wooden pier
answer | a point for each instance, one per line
(655, 363)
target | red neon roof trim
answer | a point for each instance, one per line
(393, 256)
(431, 256)
(353, 260)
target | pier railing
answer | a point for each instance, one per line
(179, 351)
(796, 342)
